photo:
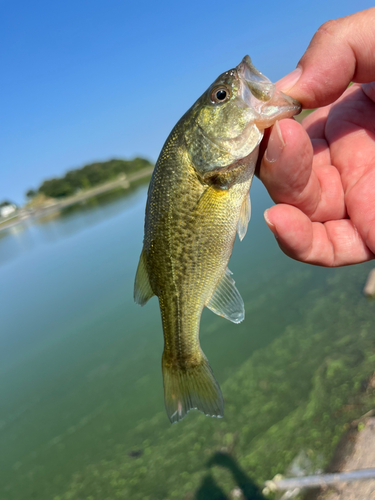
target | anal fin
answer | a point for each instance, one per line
(142, 288)
(226, 300)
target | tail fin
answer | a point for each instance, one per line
(191, 388)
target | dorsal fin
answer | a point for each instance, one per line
(142, 288)
(244, 219)
(226, 300)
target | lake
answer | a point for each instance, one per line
(81, 396)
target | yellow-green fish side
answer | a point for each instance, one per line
(189, 235)
(193, 212)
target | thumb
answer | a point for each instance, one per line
(341, 51)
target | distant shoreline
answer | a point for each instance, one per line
(25, 214)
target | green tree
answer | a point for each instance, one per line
(90, 175)
(31, 193)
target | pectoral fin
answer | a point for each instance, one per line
(142, 287)
(244, 219)
(226, 300)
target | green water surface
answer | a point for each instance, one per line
(81, 398)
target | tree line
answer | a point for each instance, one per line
(88, 176)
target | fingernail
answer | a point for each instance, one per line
(275, 145)
(269, 223)
(289, 80)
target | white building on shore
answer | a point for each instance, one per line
(7, 209)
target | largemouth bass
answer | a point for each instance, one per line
(198, 200)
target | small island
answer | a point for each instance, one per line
(76, 186)
(89, 176)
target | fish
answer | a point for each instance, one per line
(198, 199)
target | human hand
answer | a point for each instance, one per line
(321, 174)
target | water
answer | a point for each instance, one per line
(80, 363)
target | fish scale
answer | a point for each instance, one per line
(198, 200)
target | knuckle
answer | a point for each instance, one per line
(329, 27)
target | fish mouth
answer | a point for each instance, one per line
(259, 85)
(259, 93)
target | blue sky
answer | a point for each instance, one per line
(92, 80)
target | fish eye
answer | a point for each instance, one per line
(220, 94)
